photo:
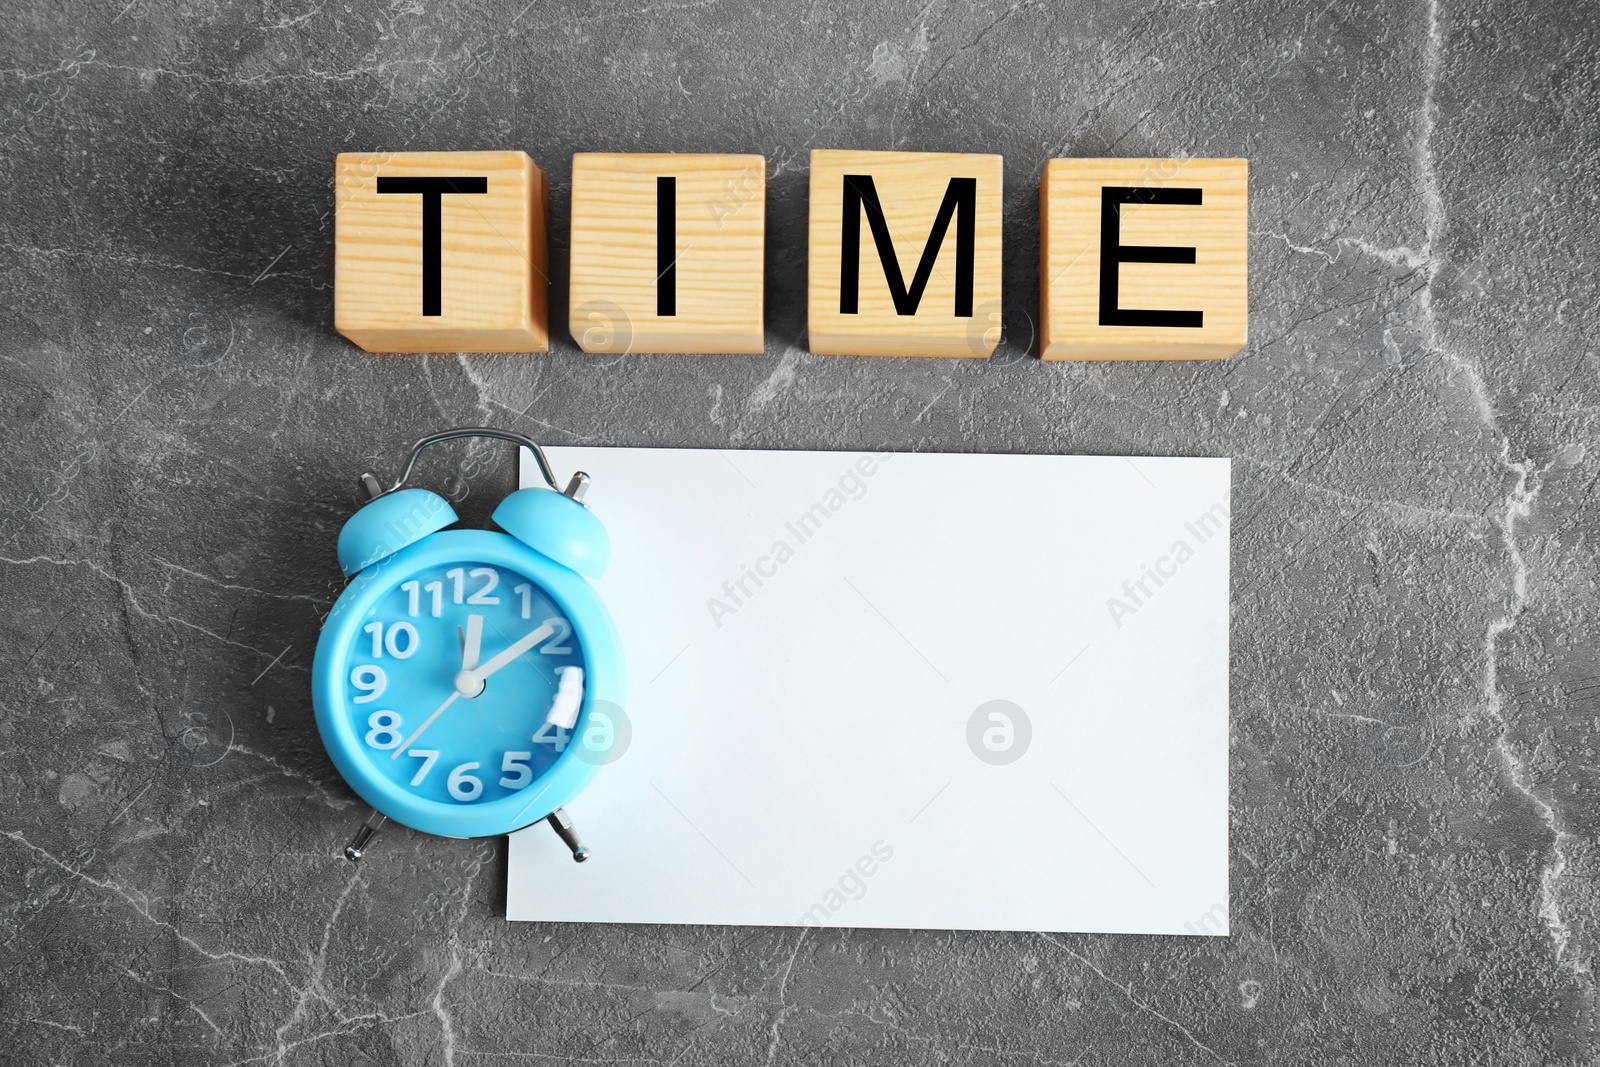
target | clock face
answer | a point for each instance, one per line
(462, 683)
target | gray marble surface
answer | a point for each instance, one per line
(1414, 788)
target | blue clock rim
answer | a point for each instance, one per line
(604, 679)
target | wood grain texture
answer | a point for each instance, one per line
(911, 187)
(720, 223)
(493, 268)
(1215, 284)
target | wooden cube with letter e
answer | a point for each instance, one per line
(1143, 258)
(440, 252)
(904, 255)
(667, 252)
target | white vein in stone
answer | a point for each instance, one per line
(1519, 499)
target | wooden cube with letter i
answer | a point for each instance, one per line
(667, 252)
(440, 252)
(1143, 258)
(904, 254)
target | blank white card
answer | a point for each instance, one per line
(977, 692)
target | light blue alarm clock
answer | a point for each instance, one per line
(458, 669)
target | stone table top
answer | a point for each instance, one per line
(1414, 714)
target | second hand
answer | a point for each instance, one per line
(451, 699)
(471, 639)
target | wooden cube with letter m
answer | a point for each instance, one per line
(904, 254)
(440, 252)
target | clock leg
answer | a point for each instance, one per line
(368, 829)
(561, 823)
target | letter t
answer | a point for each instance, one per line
(432, 190)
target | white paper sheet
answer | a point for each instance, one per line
(814, 643)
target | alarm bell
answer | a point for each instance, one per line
(388, 524)
(559, 526)
(553, 523)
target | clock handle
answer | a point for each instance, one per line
(561, 823)
(575, 488)
(364, 835)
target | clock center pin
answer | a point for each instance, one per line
(468, 684)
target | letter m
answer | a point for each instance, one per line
(960, 200)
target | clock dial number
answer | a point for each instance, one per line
(463, 786)
(414, 590)
(515, 766)
(399, 639)
(489, 579)
(428, 757)
(556, 737)
(555, 646)
(383, 731)
(371, 681)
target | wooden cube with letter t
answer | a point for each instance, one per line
(1143, 258)
(440, 252)
(667, 252)
(922, 276)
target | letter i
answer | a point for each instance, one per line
(666, 246)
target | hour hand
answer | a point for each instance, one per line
(467, 683)
(471, 642)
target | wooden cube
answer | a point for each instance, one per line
(440, 252)
(667, 252)
(904, 254)
(1142, 258)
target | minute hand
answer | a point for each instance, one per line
(513, 652)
